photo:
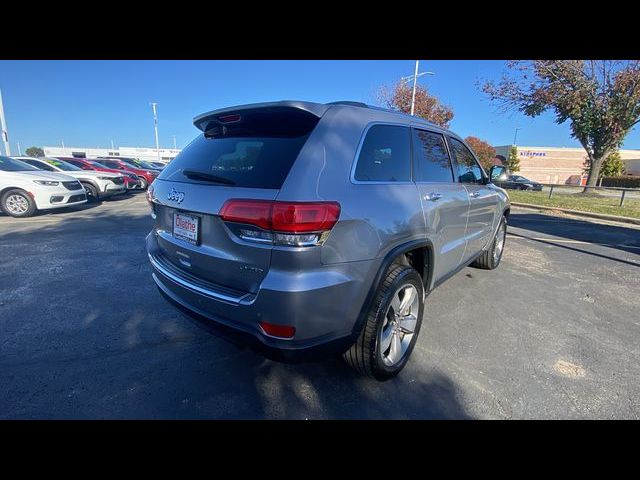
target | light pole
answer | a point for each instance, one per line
(63, 149)
(112, 147)
(19, 149)
(515, 136)
(3, 129)
(415, 80)
(174, 142)
(155, 127)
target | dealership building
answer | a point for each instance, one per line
(560, 165)
(141, 153)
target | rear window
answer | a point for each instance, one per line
(256, 149)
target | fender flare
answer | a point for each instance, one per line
(427, 277)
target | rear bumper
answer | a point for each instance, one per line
(323, 313)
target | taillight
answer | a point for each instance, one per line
(286, 223)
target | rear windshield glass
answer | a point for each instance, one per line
(256, 151)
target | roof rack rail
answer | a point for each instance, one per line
(349, 102)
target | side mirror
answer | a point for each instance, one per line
(498, 172)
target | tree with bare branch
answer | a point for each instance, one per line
(600, 99)
(398, 97)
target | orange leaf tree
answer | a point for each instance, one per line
(398, 97)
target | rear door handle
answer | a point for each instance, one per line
(474, 194)
(433, 197)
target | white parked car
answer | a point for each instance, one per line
(25, 189)
(98, 185)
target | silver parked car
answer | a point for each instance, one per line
(308, 229)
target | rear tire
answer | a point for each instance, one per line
(143, 184)
(17, 203)
(391, 330)
(491, 258)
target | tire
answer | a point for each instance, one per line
(92, 193)
(18, 203)
(143, 183)
(491, 258)
(366, 355)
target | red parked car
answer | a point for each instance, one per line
(131, 180)
(146, 176)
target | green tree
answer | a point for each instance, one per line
(613, 166)
(599, 98)
(426, 106)
(513, 161)
(34, 152)
(483, 150)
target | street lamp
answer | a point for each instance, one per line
(415, 79)
(155, 127)
(515, 135)
(3, 129)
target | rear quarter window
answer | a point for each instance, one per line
(384, 155)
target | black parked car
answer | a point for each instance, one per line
(518, 182)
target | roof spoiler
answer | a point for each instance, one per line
(208, 120)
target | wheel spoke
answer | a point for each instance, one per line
(385, 341)
(408, 323)
(395, 353)
(407, 300)
(396, 304)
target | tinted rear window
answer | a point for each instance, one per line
(385, 155)
(256, 151)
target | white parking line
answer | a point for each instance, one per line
(554, 240)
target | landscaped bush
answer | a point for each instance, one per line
(624, 181)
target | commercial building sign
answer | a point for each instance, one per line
(530, 153)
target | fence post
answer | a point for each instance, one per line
(551, 191)
(622, 198)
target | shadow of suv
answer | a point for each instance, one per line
(311, 229)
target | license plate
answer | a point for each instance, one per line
(186, 227)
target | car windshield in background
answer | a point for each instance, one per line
(12, 165)
(257, 151)
(97, 164)
(62, 165)
(146, 165)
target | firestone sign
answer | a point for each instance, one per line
(529, 153)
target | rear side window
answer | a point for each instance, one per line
(385, 155)
(253, 149)
(469, 170)
(431, 161)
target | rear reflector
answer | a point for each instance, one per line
(286, 217)
(281, 331)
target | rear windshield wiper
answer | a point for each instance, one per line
(209, 177)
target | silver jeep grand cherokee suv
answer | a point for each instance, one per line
(306, 229)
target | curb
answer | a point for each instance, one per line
(601, 216)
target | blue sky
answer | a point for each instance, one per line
(90, 103)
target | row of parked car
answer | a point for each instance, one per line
(29, 184)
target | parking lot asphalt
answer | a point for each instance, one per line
(554, 332)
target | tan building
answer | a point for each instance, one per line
(560, 165)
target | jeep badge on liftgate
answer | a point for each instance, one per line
(175, 196)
